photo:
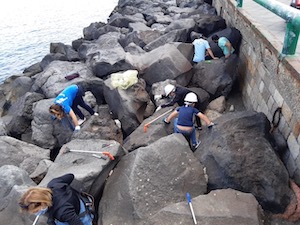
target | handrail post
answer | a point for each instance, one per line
(292, 17)
(239, 3)
(290, 39)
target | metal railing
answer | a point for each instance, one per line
(290, 15)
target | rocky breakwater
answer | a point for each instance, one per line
(234, 177)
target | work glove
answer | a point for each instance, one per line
(77, 128)
(118, 123)
(158, 108)
(157, 97)
(165, 121)
(211, 125)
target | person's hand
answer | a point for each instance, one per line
(165, 121)
(211, 125)
(157, 97)
(158, 108)
(118, 123)
(77, 128)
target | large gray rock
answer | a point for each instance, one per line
(128, 105)
(21, 114)
(216, 76)
(146, 134)
(179, 35)
(224, 207)
(149, 179)
(170, 61)
(140, 38)
(208, 24)
(90, 172)
(119, 20)
(66, 50)
(21, 154)
(238, 154)
(105, 55)
(14, 181)
(52, 80)
(11, 90)
(48, 133)
(100, 127)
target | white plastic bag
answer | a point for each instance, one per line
(125, 79)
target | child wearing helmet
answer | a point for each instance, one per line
(178, 94)
(184, 122)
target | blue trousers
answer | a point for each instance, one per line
(78, 101)
(191, 134)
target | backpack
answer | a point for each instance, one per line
(88, 201)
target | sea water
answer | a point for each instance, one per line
(28, 27)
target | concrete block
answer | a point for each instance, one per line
(293, 146)
(286, 112)
(278, 98)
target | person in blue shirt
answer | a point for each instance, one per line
(201, 48)
(224, 44)
(67, 102)
(184, 122)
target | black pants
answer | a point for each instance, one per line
(78, 101)
(197, 119)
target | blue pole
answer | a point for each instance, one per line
(191, 207)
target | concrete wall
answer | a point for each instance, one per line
(267, 80)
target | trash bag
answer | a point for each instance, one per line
(125, 79)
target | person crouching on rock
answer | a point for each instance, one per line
(58, 201)
(67, 102)
(184, 123)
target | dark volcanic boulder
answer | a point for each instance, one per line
(150, 178)
(217, 77)
(237, 154)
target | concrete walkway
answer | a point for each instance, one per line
(269, 21)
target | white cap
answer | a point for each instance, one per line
(191, 97)
(169, 88)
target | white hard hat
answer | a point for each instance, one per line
(191, 97)
(169, 88)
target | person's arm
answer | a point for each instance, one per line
(171, 103)
(211, 54)
(204, 117)
(229, 47)
(74, 118)
(171, 116)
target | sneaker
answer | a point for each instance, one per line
(80, 121)
(197, 145)
(199, 128)
(96, 114)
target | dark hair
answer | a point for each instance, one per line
(215, 37)
(57, 110)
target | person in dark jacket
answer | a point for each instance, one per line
(58, 201)
(178, 94)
